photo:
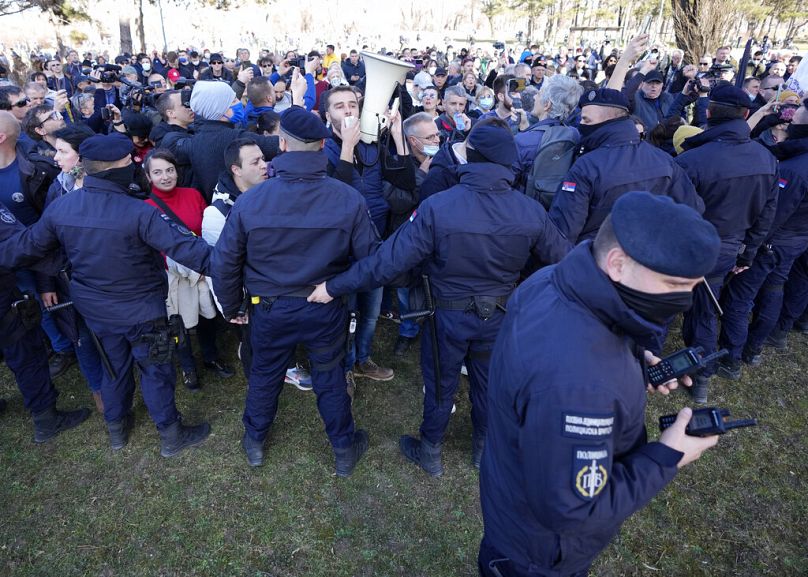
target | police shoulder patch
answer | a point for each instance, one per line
(180, 228)
(587, 426)
(413, 215)
(782, 183)
(590, 470)
(7, 217)
(568, 186)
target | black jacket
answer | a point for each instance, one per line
(36, 173)
(205, 151)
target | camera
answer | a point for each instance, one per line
(185, 97)
(499, 45)
(693, 85)
(183, 82)
(106, 114)
(299, 62)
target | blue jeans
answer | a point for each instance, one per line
(367, 305)
(408, 328)
(206, 332)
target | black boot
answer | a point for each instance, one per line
(177, 436)
(477, 444)
(348, 457)
(191, 381)
(253, 449)
(422, 453)
(119, 432)
(699, 389)
(50, 422)
(730, 369)
(777, 339)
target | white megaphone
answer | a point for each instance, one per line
(381, 75)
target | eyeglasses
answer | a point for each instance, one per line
(704, 63)
(22, 103)
(52, 116)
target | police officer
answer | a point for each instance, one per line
(737, 179)
(614, 161)
(761, 286)
(566, 460)
(472, 240)
(22, 345)
(113, 242)
(283, 237)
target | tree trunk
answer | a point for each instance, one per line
(126, 33)
(141, 31)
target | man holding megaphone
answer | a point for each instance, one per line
(385, 177)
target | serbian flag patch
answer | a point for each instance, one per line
(782, 183)
(413, 215)
(568, 186)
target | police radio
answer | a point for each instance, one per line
(684, 362)
(707, 421)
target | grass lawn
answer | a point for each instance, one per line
(71, 507)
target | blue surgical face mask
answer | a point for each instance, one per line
(431, 149)
(239, 114)
(486, 103)
(183, 60)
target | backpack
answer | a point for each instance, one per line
(553, 160)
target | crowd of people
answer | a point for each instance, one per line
(538, 220)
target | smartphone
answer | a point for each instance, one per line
(106, 114)
(246, 64)
(516, 84)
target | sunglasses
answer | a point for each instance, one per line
(704, 63)
(22, 103)
(217, 62)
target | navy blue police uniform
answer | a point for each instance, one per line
(472, 240)
(567, 459)
(761, 286)
(793, 154)
(614, 161)
(281, 239)
(113, 243)
(736, 178)
(22, 342)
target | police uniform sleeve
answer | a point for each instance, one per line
(570, 207)
(364, 236)
(756, 235)
(162, 233)
(408, 246)
(550, 246)
(23, 247)
(575, 483)
(683, 191)
(229, 256)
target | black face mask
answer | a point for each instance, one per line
(123, 176)
(796, 131)
(587, 129)
(655, 308)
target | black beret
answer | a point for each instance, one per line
(494, 143)
(303, 125)
(729, 95)
(664, 236)
(604, 97)
(654, 76)
(106, 148)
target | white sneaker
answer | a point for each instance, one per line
(298, 377)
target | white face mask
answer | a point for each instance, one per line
(432, 69)
(431, 149)
(146, 66)
(486, 103)
(336, 81)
